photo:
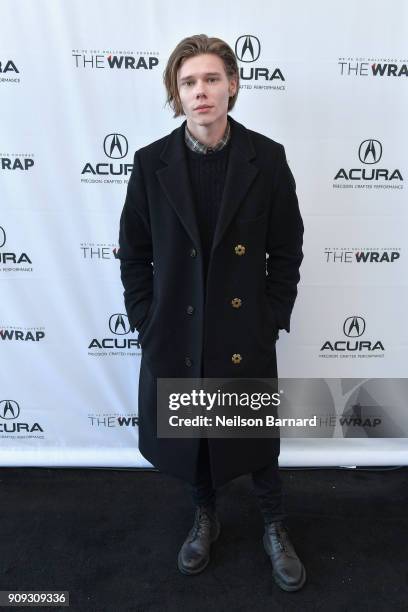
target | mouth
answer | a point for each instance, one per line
(203, 107)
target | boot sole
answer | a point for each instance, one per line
(189, 572)
(279, 582)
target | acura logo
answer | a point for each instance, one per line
(354, 327)
(247, 48)
(119, 324)
(370, 151)
(115, 146)
(2, 237)
(9, 409)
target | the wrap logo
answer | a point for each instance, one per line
(16, 161)
(22, 334)
(357, 417)
(109, 420)
(99, 250)
(349, 255)
(375, 67)
(115, 60)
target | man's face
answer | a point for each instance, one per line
(204, 89)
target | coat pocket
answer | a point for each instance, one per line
(271, 324)
(145, 325)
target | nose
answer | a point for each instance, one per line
(200, 89)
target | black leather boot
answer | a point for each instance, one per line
(194, 555)
(288, 570)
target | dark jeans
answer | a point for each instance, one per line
(266, 481)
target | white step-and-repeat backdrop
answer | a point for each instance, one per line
(330, 83)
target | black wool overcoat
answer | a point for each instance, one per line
(189, 330)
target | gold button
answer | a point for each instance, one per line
(236, 303)
(236, 358)
(239, 249)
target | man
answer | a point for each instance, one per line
(204, 207)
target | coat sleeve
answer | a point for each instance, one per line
(135, 249)
(284, 245)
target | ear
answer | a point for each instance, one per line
(232, 87)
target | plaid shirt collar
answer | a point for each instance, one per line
(199, 147)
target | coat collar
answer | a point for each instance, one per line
(175, 180)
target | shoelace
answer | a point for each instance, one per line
(281, 538)
(202, 520)
(278, 535)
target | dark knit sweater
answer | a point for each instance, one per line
(207, 173)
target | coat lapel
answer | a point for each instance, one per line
(175, 180)
(241, 172)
